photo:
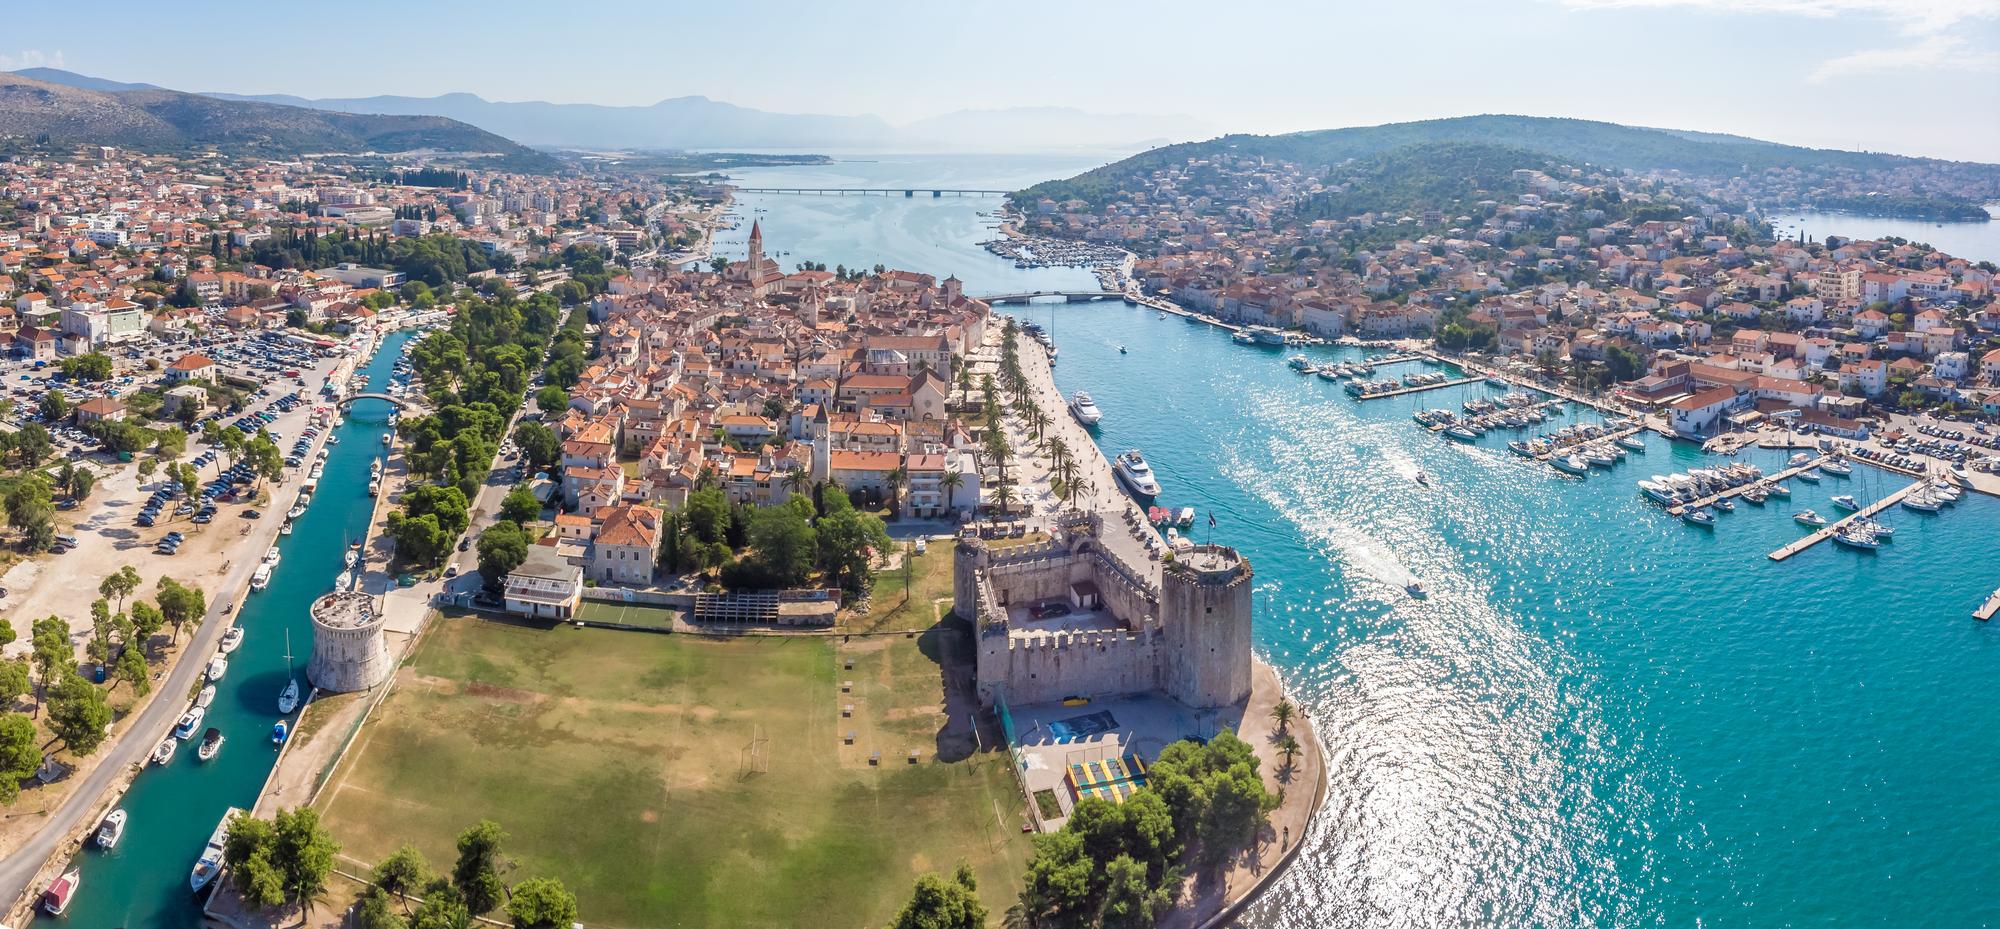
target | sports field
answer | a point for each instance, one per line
(646, 615)
(672, 780)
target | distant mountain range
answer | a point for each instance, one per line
(1950, 186)
(80, 110)
(702, 123)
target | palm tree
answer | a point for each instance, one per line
(1288, 747)
(795, 479)
(895, 480)
(951, 482)
(1283, 714)
(1004, 495)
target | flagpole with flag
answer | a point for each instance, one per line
(1211, 528)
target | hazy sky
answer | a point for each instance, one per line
(1913, 76)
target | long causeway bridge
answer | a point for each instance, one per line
(876, 191)
(1069, 296)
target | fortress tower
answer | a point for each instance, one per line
(1205, 616)
(349, 652)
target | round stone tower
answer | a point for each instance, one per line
(1205, 620)
(349, 652)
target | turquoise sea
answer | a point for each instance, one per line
(1975, 241)
(172, 809)
(1600, 716)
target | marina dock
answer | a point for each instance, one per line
(1784, 475)
(1987, 610)
(1420, 388)
(1826, 532)
(1567, 447)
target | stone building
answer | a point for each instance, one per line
(1067, 619)
(349, 651)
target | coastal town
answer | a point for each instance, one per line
(436, 512)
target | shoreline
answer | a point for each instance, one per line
(1249, 872)
(102, 785)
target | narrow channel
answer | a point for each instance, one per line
(172, 809)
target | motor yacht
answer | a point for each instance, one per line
(1922, 502)
(111, 830)
(1136, 474)
(1837, 468)
(211, 744)
(231, 638)
(210, 862)
(1416, 589)
(1808, 475)
(164, 752)
(1571, 464)
(217, 667)
(1084, 409)
(1725, 505)
(1809, 518)
(1634, 443)
(55, 900)
(1846, 502)
(1702, 518)
(206, 697)
(189, 722)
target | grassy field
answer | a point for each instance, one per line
(683, 781)
(647, 615)
(928, 581)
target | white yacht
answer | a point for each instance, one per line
(111, 830)
(1136, 474)
(1570, 464)
(232, 638)
(217, 667)
(1084, 409)
(210, 862)
(1846, 502)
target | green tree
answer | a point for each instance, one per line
(541, 903)
(304, 852)
(707, 514)
(784, 543)
(403, 871)
(848, 542)
(443, 908)
(179, 604)
(502, 548)
(78, 713)
(249, 852)
(52, 652)
(54, 406)
(373, 911)
(1623, 363)
(15, 681)
(120, 585)
(131, 668)
(1132, 900)
(477, 872)
(1059, 887)
(939, 903)
(420, 539)
(520, 505)
(147, 620)
(20, 754)
(551, 400)
(30, 507)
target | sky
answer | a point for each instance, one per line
(1918, 77)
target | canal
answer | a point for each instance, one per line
(172, 809)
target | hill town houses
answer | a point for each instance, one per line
(1723, 322)
(763, 383)
(117, 246)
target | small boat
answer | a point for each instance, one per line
(1462, 434)
(1846, 502)
(261, 578)
(333, 439)
(1809, 476)
(1809, 518)
(206, 697)
(1416, 590)
(1634, 443)
(1856, 538)
(1422, 479)
(385, 438)
(1837, 468)
(286, 529)
(56, 899)
(111, 830)
(1726, 505)
(1702, 518)
(297, 510)
(1881, 531)
(217, 667)
(211, 743)
(278, 732)
(1299, 363)
(1921, 502)
(272, 556)
(1779, 490)
(1571, 464)
(1121, 349)
(353, 557)
(1798, 458)
(231, 638)
(189, 722)
(210, 862)
(288, 699)
(164, 752)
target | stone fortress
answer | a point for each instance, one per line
(349, 650)
(1185, 636)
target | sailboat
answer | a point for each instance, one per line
(288, 700)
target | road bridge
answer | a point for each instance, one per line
(1069, 296)
(876, 191)
(399, 402)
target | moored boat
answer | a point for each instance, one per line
(1084, 409)
(62, 890)
(217, 667)
(164, 752)
(231, 638)
(1846, 502)
(211, 744)
(1570, 464)
(1702, 518)
(210, 862)
(189, 722)
(1809, 518)
(1856, 538)
(111, 830)
(1133, 471)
